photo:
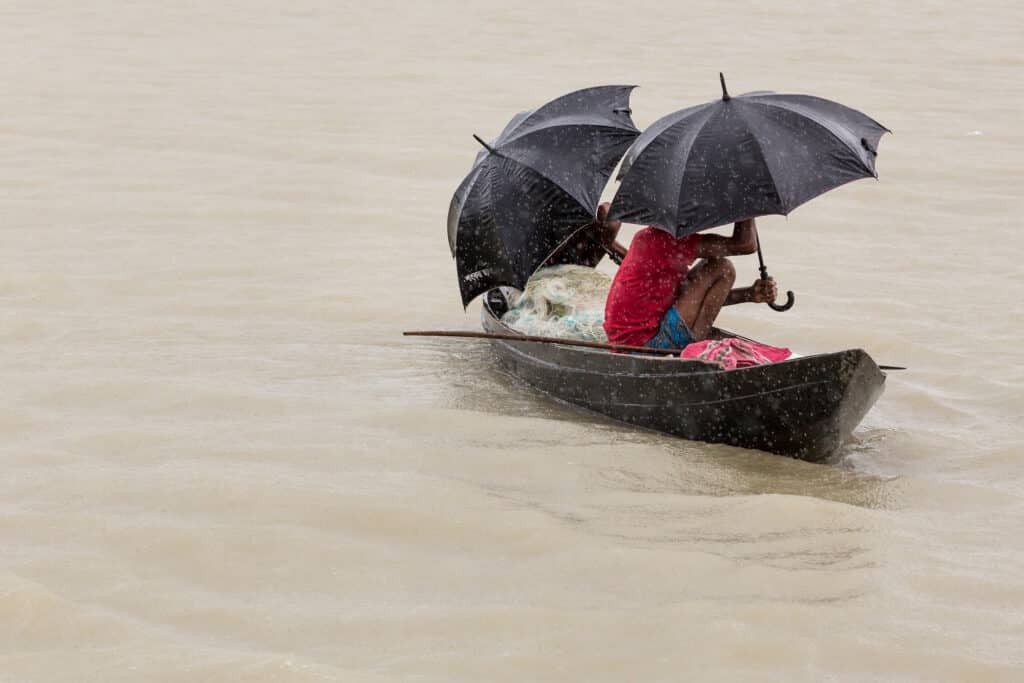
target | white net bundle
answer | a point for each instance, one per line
(562, 301)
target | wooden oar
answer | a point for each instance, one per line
(541, 340)
(559, 340)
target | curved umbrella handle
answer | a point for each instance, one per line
(790, 300)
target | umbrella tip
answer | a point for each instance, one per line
(485, 145)
(725, 93)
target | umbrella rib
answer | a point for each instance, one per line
(540, 111)
(772, 97)
(487, 184)
(493, 219)
(485, 171)
(693, 143)
(467, 184)
(545, 176)
(563, 190)
(656, 129)
(824, 127)
(511, 267)
(567, 121)
(783, 204)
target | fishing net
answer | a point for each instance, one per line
(562, 301)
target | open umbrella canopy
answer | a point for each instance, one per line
(533, 187)
(738, 157)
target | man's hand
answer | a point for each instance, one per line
(764, 291)
(607, 233)
(607, 230)
(761, 292)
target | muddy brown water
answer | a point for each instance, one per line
(221, 461)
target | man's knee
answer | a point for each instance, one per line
(723, 268)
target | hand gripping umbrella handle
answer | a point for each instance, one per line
(790, 298)
(612, 254)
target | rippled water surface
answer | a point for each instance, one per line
(221, 461)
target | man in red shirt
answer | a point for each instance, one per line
(658, 301)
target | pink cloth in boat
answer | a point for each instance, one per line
(733, 354)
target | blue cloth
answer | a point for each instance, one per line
(672, 334)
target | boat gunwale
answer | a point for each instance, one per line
(698, 367)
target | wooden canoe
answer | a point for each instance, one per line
(805, 407)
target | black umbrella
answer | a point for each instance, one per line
(751, 155)
(534, 186)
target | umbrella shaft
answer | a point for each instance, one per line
(760, 259)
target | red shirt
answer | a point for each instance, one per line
(647, 284)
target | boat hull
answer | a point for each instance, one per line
(805, 407)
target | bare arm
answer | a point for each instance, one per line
(743, 241)
(762, 291)
(609, 231)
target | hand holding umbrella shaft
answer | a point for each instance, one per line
(760, 260)
(790, 297)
